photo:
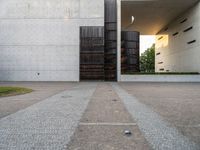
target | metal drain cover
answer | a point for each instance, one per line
(114, 100)
(127, 132)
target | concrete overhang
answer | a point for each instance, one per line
(152, 15)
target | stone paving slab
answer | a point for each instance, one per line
(159, 133)
(57, 122)
(42, 90)
(103, 137)
(177, 103)
(48, 124)
(103, 124)
(106, 106)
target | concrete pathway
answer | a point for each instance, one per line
(41, 91)
(48, 124)
(159, 133)
(104, 122)
(90, 116)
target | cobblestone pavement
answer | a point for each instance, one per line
(48, 124)
(94, 116)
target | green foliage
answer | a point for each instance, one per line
(147, 60)
(10, 91)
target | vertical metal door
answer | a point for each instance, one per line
(92, 53)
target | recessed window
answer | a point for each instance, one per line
(175, 34)
(190, 42)
(160, 63)
(160, 38)
(161, 69)
(188, 29)
(184, 20)
(158, 53)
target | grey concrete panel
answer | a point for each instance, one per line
(161, 78)
(56, 63)
(43, 36)
(30, 58)
(21, 9)
(43, 75)
(91, 9)
(91, 22)
(39, 32)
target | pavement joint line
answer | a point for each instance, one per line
(48, 124)
(107, 124)
(158, 132)
(189, 126)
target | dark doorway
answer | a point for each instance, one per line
(92, 53)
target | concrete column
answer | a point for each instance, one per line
(118, 40)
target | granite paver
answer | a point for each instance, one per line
(159, 133)
(48, 124)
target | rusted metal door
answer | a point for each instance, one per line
(91, 53)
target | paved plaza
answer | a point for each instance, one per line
(94, 116)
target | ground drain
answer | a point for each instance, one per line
(127, 133)
(66, 96)
(114, 100)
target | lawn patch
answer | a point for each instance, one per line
(12, 91)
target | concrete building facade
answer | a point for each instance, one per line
(40, 40)
(178, 46)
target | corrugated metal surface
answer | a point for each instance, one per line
(110, 40)
(92, 53)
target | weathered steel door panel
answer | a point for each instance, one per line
(92, 53)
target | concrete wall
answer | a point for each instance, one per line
(160, 78)
(176, 55)
(39, 39)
